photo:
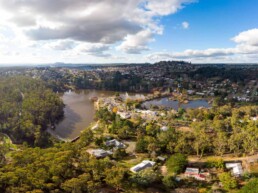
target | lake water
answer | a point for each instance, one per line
(165, 102)
(79, 112)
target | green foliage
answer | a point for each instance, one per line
(169, 181)
(141, 145)
(115, 176)
(228, 181)
(86, 138)
(119, 153)
(105, 115)
(64, 168)
(145, 177)
(77, 185)
(27, 108)
(176, 163)
(215, 163)
(250, 187)
(181, 111)
(122, 127)
(201, 138)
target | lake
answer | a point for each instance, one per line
(79, 111)
(172, 104)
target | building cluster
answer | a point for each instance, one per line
(172, 75)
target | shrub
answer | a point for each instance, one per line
(176, 163)
(215, 163)
(228, 181)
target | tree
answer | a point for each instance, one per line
(228, 181)
(145, 177)
(201, 141)
(215, 163)
(181, 111)
(169, 181)
(76, 185)
(168, 140)
(184, 143)
(236, 141)
(85, 138)
(141, 145)
(115, 176)
(250, 187)
(220, 143)
(176, 163)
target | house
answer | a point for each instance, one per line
(164, 128)
(200, 177)
(160, 158)
(236, 168)
(143, 165)
(189, 172)
(254, 118)
(124, 115)
(190, 92)
(195, 173)
(115, 143)
(200, 93)
(99, 153)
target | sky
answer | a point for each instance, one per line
(128, 31)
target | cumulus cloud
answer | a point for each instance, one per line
(166, 7)
(60, 45)
(249, 37)
(93, 21)
(135, 44)
(96, 49)
(185, 25)
(246, 45)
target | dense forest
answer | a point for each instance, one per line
(62, 168)
(217, 131)
(27, 109)
(67, 167)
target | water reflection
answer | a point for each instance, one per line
(79, 112)
(166, 103)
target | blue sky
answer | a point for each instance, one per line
(212, 24)
(200, 31)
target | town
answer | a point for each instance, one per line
(167, 126)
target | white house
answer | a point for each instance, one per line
(164, 128)
(99, 153)
(124, 115)
(115, 143)
(143, 165)
(236, 168)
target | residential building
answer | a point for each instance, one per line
(143, 165)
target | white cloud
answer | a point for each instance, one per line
(249, 37)
(166, 7)
(94, 49)
(185, 25)
(246, 46)
(135, 44)
(94, 21)
(60, 45)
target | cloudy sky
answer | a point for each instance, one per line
(105, 31)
